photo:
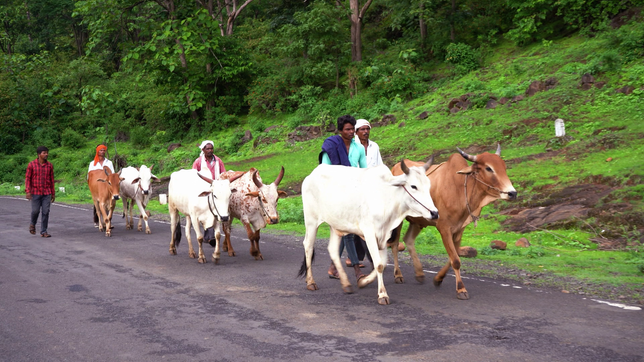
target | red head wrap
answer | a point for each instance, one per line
(100, 147)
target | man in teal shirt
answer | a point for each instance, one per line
(342, 149)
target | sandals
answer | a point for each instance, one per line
(45, 235)
(333, 272)
(348, 263)
(32, 229)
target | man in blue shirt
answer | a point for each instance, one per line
(342, 149)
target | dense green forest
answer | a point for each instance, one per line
(154, 72)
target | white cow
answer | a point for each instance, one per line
(367, 202)
(135, 187)
(203, 201)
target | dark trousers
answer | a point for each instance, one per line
(38, 203)
(348, 241)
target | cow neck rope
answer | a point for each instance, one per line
(412, 196)
(261, 203)
(210, 207)
(467, 202)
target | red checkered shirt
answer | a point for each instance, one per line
(39, 179)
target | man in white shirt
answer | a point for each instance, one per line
(371, 149)
(100, 160)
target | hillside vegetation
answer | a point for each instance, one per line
(581, 196)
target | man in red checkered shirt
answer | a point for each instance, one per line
(39, 186)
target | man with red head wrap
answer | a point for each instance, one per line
(100, 160)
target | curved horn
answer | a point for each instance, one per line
(404, 167)
(428, 163)
(256, 181)
(236, 177)
(105, 168)
(208, 180)
(498, 149)
(466, 156)
(279, 177)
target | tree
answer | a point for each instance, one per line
(355, 16)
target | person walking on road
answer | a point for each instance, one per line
(39, 188)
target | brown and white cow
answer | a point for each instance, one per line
(459, 192)
(254, 204)
(104, 186)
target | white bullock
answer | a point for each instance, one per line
(135, 187)
(367, 202)
(203, 201)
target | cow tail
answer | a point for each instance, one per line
(95, 215)
(177, 234)
(303, 268)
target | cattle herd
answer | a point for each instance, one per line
(371, 203)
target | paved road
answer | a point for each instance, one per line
(79, 296)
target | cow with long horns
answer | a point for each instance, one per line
(459, 192)
(254, 204)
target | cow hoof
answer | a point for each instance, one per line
(202, 260)
(147, 231)
(231, 253)
(399, 280)
(259, 257)
(128, 227)
(173, 252)
(312, 287)
(348, 289)
(216, 261)
(383, 300)
(437, 283)
(193, 255)
(140, 229)
(420, 279)
(462, 296)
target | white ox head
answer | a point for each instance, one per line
(218, 196)
(144, 179)
(416, 186)
(267, 196)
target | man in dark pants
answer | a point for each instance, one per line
(39, 188)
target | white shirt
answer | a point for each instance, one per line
(373, 153)
(98, 166)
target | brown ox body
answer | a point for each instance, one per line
(254, 204)
(459, 192)
(104, 186)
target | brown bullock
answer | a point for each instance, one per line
(104, 186)
(459, 192)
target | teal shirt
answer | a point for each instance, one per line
(357, 157)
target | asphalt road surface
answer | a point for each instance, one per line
(80, 296)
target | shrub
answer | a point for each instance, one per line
(140, 137)
(463, 56)
(72, 139)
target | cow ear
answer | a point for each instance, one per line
(466, 170)
(205, 193)
(233, 190)
(136, 180)
(101, 180)
(155, 179)
(399, 180)
(121, 178)
(281, 193)
(254, 193)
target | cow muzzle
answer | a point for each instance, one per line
(273, 221)
(116, 197)
(434, 215)
(224, 218)
(146, 192)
